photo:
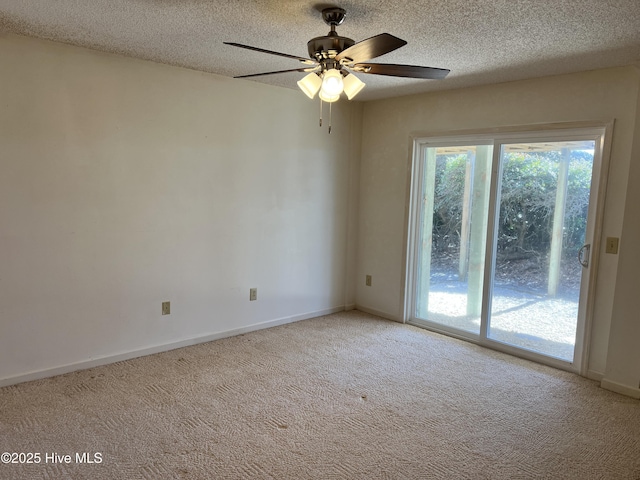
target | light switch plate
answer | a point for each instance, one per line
(612, 245)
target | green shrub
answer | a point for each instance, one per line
(528, 195)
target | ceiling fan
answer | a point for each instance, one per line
(334, 59)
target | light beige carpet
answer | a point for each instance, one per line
(346, 396)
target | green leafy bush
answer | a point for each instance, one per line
(528, 196)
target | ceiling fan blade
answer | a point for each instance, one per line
(308, 61)
(279, 71)
(393, 70)
(371, 48)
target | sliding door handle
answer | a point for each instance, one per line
(583, 255)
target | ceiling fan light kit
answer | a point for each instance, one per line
(334, 58)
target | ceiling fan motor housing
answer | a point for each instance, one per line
(328, 46)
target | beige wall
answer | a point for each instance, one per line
(623, 360)
(127, 183)
(599, 96)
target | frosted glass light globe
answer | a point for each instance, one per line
(352, 85)
(327, 99)
(332, 83)
(310, 85)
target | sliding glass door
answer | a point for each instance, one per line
(543, 201)
(453, 232)
(500, 235)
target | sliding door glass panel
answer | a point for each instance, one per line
(452, 235)
(543, 204)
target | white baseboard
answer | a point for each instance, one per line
(593, 375)
(351, 306)
(107, 359)
(378, 313)
(620, 388)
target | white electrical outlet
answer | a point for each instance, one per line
(166, 308)
(253, 294)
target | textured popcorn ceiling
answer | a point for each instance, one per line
(481, 41)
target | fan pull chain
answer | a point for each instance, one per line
(330, 116)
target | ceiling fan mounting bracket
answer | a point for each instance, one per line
(333, 16)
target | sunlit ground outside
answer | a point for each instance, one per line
(532, 321)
